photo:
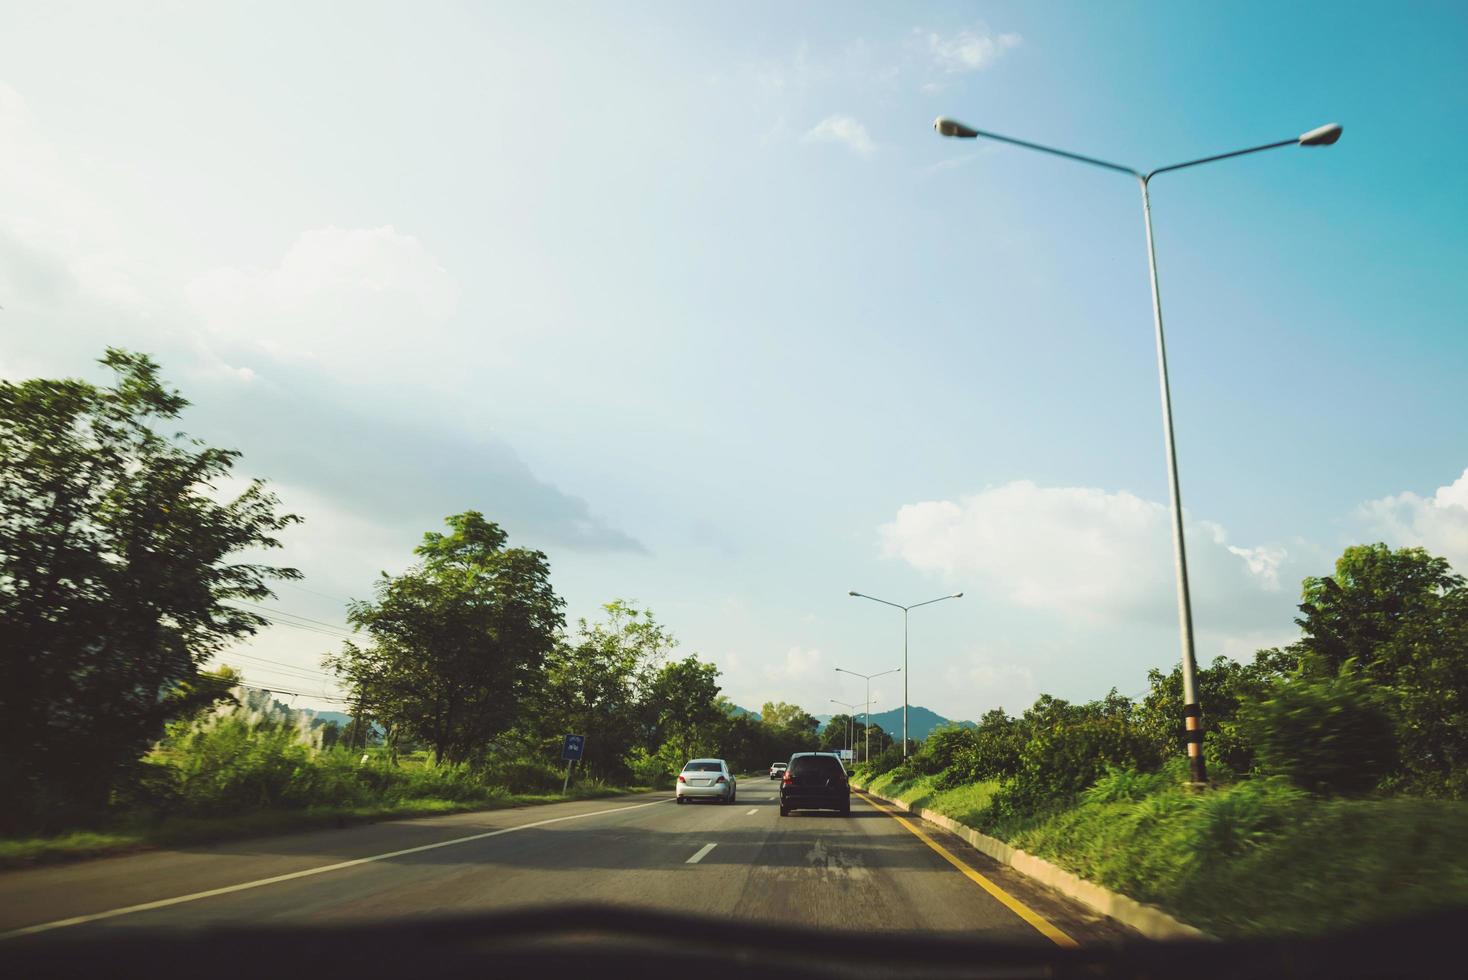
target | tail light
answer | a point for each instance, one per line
(789, 780)
(721, 780)
(681, 779)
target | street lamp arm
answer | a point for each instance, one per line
(950, 128)
(1295, 141)
(863, 595)
(958, 595)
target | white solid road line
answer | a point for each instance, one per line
(341, 865)
(700, 855)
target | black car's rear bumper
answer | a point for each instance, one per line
(831, 800)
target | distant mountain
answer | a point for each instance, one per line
(920, 721)
(736, 711)
(341, 718)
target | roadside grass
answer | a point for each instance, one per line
(1252, 859)
(1261, 858)
(136, 833)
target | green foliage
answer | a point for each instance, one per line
(459, 641)
(599, 683)
(992, 751)
(790, 718)
(1068, 748)
(652, 770)
(117, 559)
(942, 749)
(683, 696)
(1223, 687)
(1330, 734)
(1402, 617)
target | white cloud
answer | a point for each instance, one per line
(1086, 555)
(1438, 523)
(842, 129)
(799, 664)
(346, 300)
(969, 50)
(980, 681)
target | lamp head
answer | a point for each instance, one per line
(954, 128)
(1322, 136)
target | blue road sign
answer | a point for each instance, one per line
(572, 747)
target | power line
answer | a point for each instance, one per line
(303, 626)
(323, 595)
(305, 673)
(306, 619)
(299, 694)
(278, 663)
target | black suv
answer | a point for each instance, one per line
(815, 781)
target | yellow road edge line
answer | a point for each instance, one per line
(1042, 925)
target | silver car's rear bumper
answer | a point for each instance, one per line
(704, 792)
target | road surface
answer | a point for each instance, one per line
(868, 871)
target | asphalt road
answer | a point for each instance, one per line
(743, 861)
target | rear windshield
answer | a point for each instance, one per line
(779, 765)
(817, 765)
(702, 767)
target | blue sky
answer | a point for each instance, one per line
(693, 299)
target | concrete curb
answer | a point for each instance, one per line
(1146, 919)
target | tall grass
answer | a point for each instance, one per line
(240, 771)
(1258, 857)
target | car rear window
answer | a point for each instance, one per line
(702, 767)
(817, 765)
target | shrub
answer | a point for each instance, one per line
(1061, 760)
(649, 770)
(883, 762)
(523, 775)
(940, 750)
(992, 751)
(1326, 735)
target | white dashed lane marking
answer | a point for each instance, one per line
(752, 812)
(700, 854)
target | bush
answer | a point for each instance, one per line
(1061, 760)
(940, 750)
(992, 750)
(522, 775)
(883, 762)
(1326, 735)
(649, 770)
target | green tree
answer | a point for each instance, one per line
(458, 642)
(118, 561)
(789, 718)
(599, 684)
(1326, 734)
(684, 698)
(1224, 688)
(1402, 617)
(834, 736)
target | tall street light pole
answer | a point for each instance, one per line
(1323, 136)
(859, 595)
(867, 715)
(850, 722)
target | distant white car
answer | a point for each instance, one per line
(706, 779)
(778, 769)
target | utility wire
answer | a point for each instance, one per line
(306, 619)
(301, 673)
(305, 626)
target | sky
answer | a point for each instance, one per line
(693, 299)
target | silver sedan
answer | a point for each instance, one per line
(706, 779)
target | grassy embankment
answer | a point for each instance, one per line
(1249, 859)
(252, 796)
